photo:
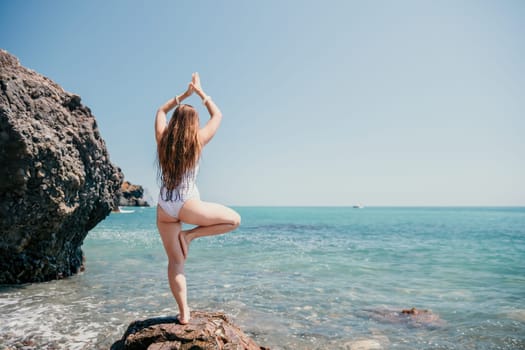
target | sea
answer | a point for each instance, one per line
(298, 278)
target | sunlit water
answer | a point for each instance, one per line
(299, 278)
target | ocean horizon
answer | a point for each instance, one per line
(293, 277)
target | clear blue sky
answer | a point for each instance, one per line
(324, 103)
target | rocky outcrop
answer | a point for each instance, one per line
(205, 331)
(412, 318)
(132, 195)
(56, 180)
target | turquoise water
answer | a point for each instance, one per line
(300, 278)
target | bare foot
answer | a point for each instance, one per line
(184, 243)
(183, 320)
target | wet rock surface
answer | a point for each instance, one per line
(56, 179)
(205, 331)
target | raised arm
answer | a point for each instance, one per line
(160, 118)
(209, 130)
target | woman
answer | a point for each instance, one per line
(179, 146)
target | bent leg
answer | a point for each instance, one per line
(169, 229)
(210, 218)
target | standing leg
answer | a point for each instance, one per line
(169, 229)
(210, 218)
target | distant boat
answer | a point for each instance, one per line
(358, 206)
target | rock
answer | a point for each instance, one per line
(56, 180)
(205, 331)
(366, 344)
(412, 318)
(132, 195)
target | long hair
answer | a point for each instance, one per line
(179, 149)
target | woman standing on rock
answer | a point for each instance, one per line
(179, 146)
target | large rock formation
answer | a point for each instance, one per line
(205, 331)
(132, 195)
(56, 180)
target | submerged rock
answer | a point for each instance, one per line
(205, 331)
(366, 344)
(412, 318)
(56, 180)
(132, 195)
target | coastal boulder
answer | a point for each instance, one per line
(412, 318)
(56, 179)
(132, 195)
(205, 331)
